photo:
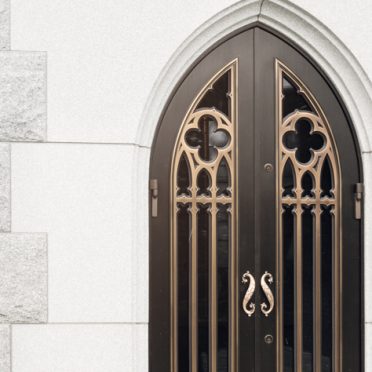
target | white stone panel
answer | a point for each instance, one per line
(4, 348)
(141, 238)
(83, 197)
(79, 348)
(103, 58)
(5, 24)
(349, 20)
(22, 96)
(368, 347)
(5, 187)
(23, 278)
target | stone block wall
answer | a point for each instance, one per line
(23, 256)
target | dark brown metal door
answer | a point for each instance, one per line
(255, 248)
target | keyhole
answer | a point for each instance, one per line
(269, 339)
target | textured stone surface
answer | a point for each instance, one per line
(101, 66)
(4, 348)
(81, 194)
(22, 96)
(23, 278)
(4, 25)
(4, 187)
(80, 348)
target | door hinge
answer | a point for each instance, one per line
(154, 197)
(358, 198)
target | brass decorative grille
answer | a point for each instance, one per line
(309, 231)
(204, 217)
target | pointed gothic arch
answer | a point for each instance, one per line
(333, 59)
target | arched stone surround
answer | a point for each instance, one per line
(330, 54)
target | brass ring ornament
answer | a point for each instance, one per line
(267, 309)
(249, 308)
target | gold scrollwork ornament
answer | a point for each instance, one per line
(249, 308)
(267, 309)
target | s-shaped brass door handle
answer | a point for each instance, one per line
(249, 308)
(267, 309)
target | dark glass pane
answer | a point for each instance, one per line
(326, 179)
(327, 275)
(307, 289)
(288, 179)
(288, 289)
(223, 244)
(207, 138)
(307, 185)
(292, 99)
(183, 250)
(223, 178)
(203, 287)
(217, 95)
(204, 183)
(303, 140)
(183, 176)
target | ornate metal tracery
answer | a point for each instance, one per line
(308, 200)
(203, 224)
(203, 189)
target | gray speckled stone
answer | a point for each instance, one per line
(23, 278)
(4, 25)
(22, 96)
(4, 348)
(4, 188)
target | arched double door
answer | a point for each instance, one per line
(255, 229)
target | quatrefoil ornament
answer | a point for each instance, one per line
(304, 140)
(207, 138)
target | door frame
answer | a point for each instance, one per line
(341, 102)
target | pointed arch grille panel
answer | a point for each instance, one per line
(203, 230)
(308, 230)
(204, 223)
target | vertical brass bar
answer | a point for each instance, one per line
(279, 216)
(298, 287)
(233, 226)
(317, 288)
(174, 291)
(213, 310)
(205, 129)
(279, 266)
(337, 289)
(174, 274)
(194, 288)
(232, 298)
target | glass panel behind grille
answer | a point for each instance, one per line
(288, 288)
(184, 244)
(203, 232)
(223, 253)
(307, 285)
